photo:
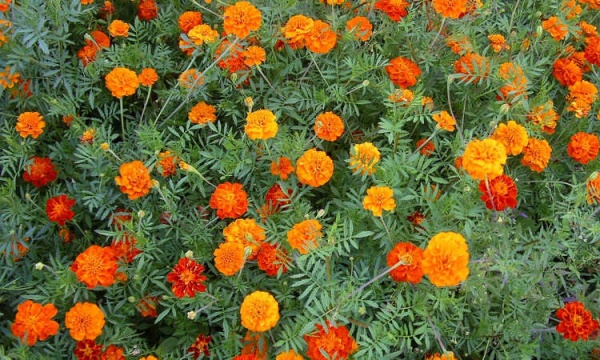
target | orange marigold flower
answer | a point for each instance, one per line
(203, 33)
(566, 71)
(452, 9)
(570, 8)
(34, 322)
(261, 125)
(333, 341)
(58, 209)
(200, 346)
(87, 350)
(448, 355)
(85, 321)
(536, 154)
(108, 8)
(147, 306)
(583, 147)
(394, 9)
(259, 311)
(190, 78)
(134, 180)
(188, 20)
(305, 235)
(83, 2)
(168, 163)
(513, 136)
(444, 120)
(379, 198)
(282, 167)
(87, 54)
(186, 278)
(321, 39)
(403, 96)
(113, 352)
(332, 2)
(271, 259)
(246, 232)
(410, 257)
(545, 116)
(425, 147)
(4, 5)
(459, 44)
(234, 61)
(329, 126)
(241, 18)
(499, 193)
(147, 77)
(484, 158)
(30, 123)
(472, 67)
(230, 200)
(498, 42)
(254, 56)
(446, 259)
(592, 50)
(122, 82)
(118, 28)
(555, 28)
(186, 46)
(403, 72)
(125, 248)
(289, 355)
(360, 27)
(40, 172)
(314, 168)
(100, 39)
(296, 29)
(147, 10)
(581, 96)
(363, 158)
(229, 258)
(593, 188)
(516, 85)
(96, 266)
(88, 136)
(575, 321)
(588, 29)
(66, 235)
(202, 113)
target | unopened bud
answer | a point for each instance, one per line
(191, 315)
(39, 266)
(141, 213)
(131, 299)
(249, 103)
(104, 146)
(189, 254)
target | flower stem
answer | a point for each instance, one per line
(122, 120)
(146, 103)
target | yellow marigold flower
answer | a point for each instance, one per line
(536, 154)
(513, 136)
(259, 311)
(446, 259)
(122, 82)
(314, 168)
(261, 125)
(229, 258)
(203, 33)
(202, 113)
(484, 158)
(30, 124)
(241, 18)
(363, 158)
(118, 28)
(444, 120)
(246, 232)
(379, 198)
(305, 235)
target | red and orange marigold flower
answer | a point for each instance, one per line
(593, 188)
(200, 346)
(583, 147)
(202, 113)
(296, 30)
(499, 193)
(556, 28)
(271, 259)
(305, 235)
(96, 266)
(335, 341)
(241, 18)
(314, 168)
(167, 163)
(452, 9)
(34, 322)
(147, 77)
(403, 72)
(186, 278)
(134, 179)
(446, 259)
(188, 20)
(87, 350)
(472, 67)
(410, 256)
(147, 10)
(444, 120)
(85, 321)
(321, 39)
(575, 321)
(230, 200)
(58, 209)
(40, 172)
(360, 27)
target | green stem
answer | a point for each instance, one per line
(122, 120)
(146, 103)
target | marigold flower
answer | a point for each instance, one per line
(575, 321)
(147, 306)
(83, 2)
(234, 61)
(188, 20)
(58, 209)
(446, 259)
(87, 349)
(472, 67)
(203, 33)
(85, 321)
(583, 147)
(555, 28)
(134, 179)
(186, 278)
(592, 50)
(452, 9)
(444, 120)
(259, 311)
(314, 168)
(122, 82)
(321, 39)
(99, 39)
(230, 200)
(30, 123)
(581, 96)
(588, 29)
(498, 42)
(536, 154)
(513, 136)
(151, 357)
(282, 167)
(147, 77)
(96, 266)
(8, 79)
(33, 322)
(4, 5)
(229, 258)
(241, 18)
(379, 198)
(66, 235)
(394, 9)
(363, 158)
(425, 147)
(190, 78)
(296, 29)
(246, 232)
(566, 71)
(289, 355)
(261, 125)
(40, 172)
(113, 352)
(360, 27)
(593, 188)
(88, 136)
(147, 10)
(202, 113)
(448, 355)
(410, 256)
(125, 248)
(271, 259)
(334, 341)
(200, 346)
(118, 28)
(403, 72)
(167, 163)
(87, 54)
(499, 193)
(545, 116)
(305, 235)
(403, 96)
(108, 8)
(329, 126)
(459, 44)
(484, 158)
(254, 56)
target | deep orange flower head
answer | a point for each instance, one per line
(147, 77)
(147, 10)
(566, 71)
(516, 82)
(583, 147)
(230, 258)
(499, 193)
(230, 200)
(329, 126)
(203, 33)
(87, 54)
(122, 82)
(282, 167)
(99, 40)
(305, 235)
(581, 96)
(498, 42)
(30, 124)
(444, 120)
(202, 113)
(555, 28)
(261, 125)
(113, 352)
(379, 198)
(246, 232)
(403, 72)
(276, 197)
(296, 30)
(321, 39)
(58, 209)
(271, 259)
(5, 5)
(588, 29)
(360, 27)
(34, 322)
(200, 346)
(335, 341)
(575, 321)
(188, 20)
(259, 311)
(410, 256)
(448, 355)
(593, 188)
(289, 355)
(66, 235)
(190, 78)
(125, 248)
(452, 9)
(147, 306)
(186, 278)
(118, 28)
(96, 266)
(167, 163)
(472, 67)
(484, 158)
(544, 116)
(254, 56)
(402, 96)
(40, 172)
(85, 321)
(87, 349)
(592, 50)
(363, 158)
(425, 147)
(241, 18)
(459, 44)
(394, 9)
(134, 179)
(314, 168)
(512, 136)
(536, 154)
(234, 60)
(108, 8)
(446, 259)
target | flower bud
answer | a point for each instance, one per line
(189, 254)
(39, 266)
